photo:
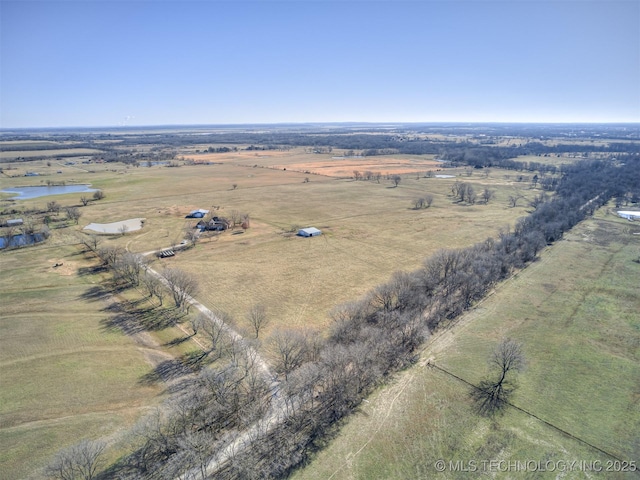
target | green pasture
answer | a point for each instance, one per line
(576, 313)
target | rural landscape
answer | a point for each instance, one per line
(320, 301)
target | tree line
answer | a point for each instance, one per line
(380, 333)
(324, 380)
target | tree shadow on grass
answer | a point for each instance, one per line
(93, 270)
(169, 371)
(166, 371)
(94, 293)
(177, 341)
(132, 317)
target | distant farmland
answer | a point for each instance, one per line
(8, 155)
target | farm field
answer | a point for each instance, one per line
(64, 374)
(576, 313)
(369, 231)
(67, 152)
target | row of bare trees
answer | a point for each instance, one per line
(131, 270)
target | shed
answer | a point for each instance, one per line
(199, 213)
(309, 232)
(14, 222)
(629, 215)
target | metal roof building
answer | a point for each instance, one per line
(309, 232)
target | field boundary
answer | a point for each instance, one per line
(431, 364)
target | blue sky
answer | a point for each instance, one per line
(103, 63)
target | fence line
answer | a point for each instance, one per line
(526, 412)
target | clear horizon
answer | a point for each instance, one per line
(294, 124)
(78, 64)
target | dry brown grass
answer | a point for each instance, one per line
(370, 230)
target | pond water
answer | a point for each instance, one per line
(25, 193)
(21, 240)
(445, 176)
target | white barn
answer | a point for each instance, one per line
(629, 215)
(309, 232)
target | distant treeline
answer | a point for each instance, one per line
(480, 148)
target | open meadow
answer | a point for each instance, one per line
(575, 311)
(67, 369)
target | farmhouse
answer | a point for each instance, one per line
(199, 213)
(309, 232)
(629, 215)
(216, 224)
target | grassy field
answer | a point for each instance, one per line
(65, 373)
(576, 313)
(369, 231)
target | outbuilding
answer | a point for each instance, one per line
(629, 215)
(14, 222)
(199, 213)
(309, 232)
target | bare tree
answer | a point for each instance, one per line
(80, 461)
(235, 217)
(123, 229)
(258, 319)
(493, 393)
(212, 330)
(396, 180)
(487, 195)
(153, 286)
(464, 192)
(128, 267)
(513, 199)
(246, 221)
(534, 181)
(110, 255)
(538, 200)
(428, 200)
(196, 448)
(91, 241)
(98, 195)
(85, 200)
(53, 207)
(290, 349)
(182, 284)
(73, 213)
(191, 234)
(357, 175)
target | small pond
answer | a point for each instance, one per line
(21, 240)
(25, 193)
(444, 176)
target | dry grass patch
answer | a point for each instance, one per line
(369, 231)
